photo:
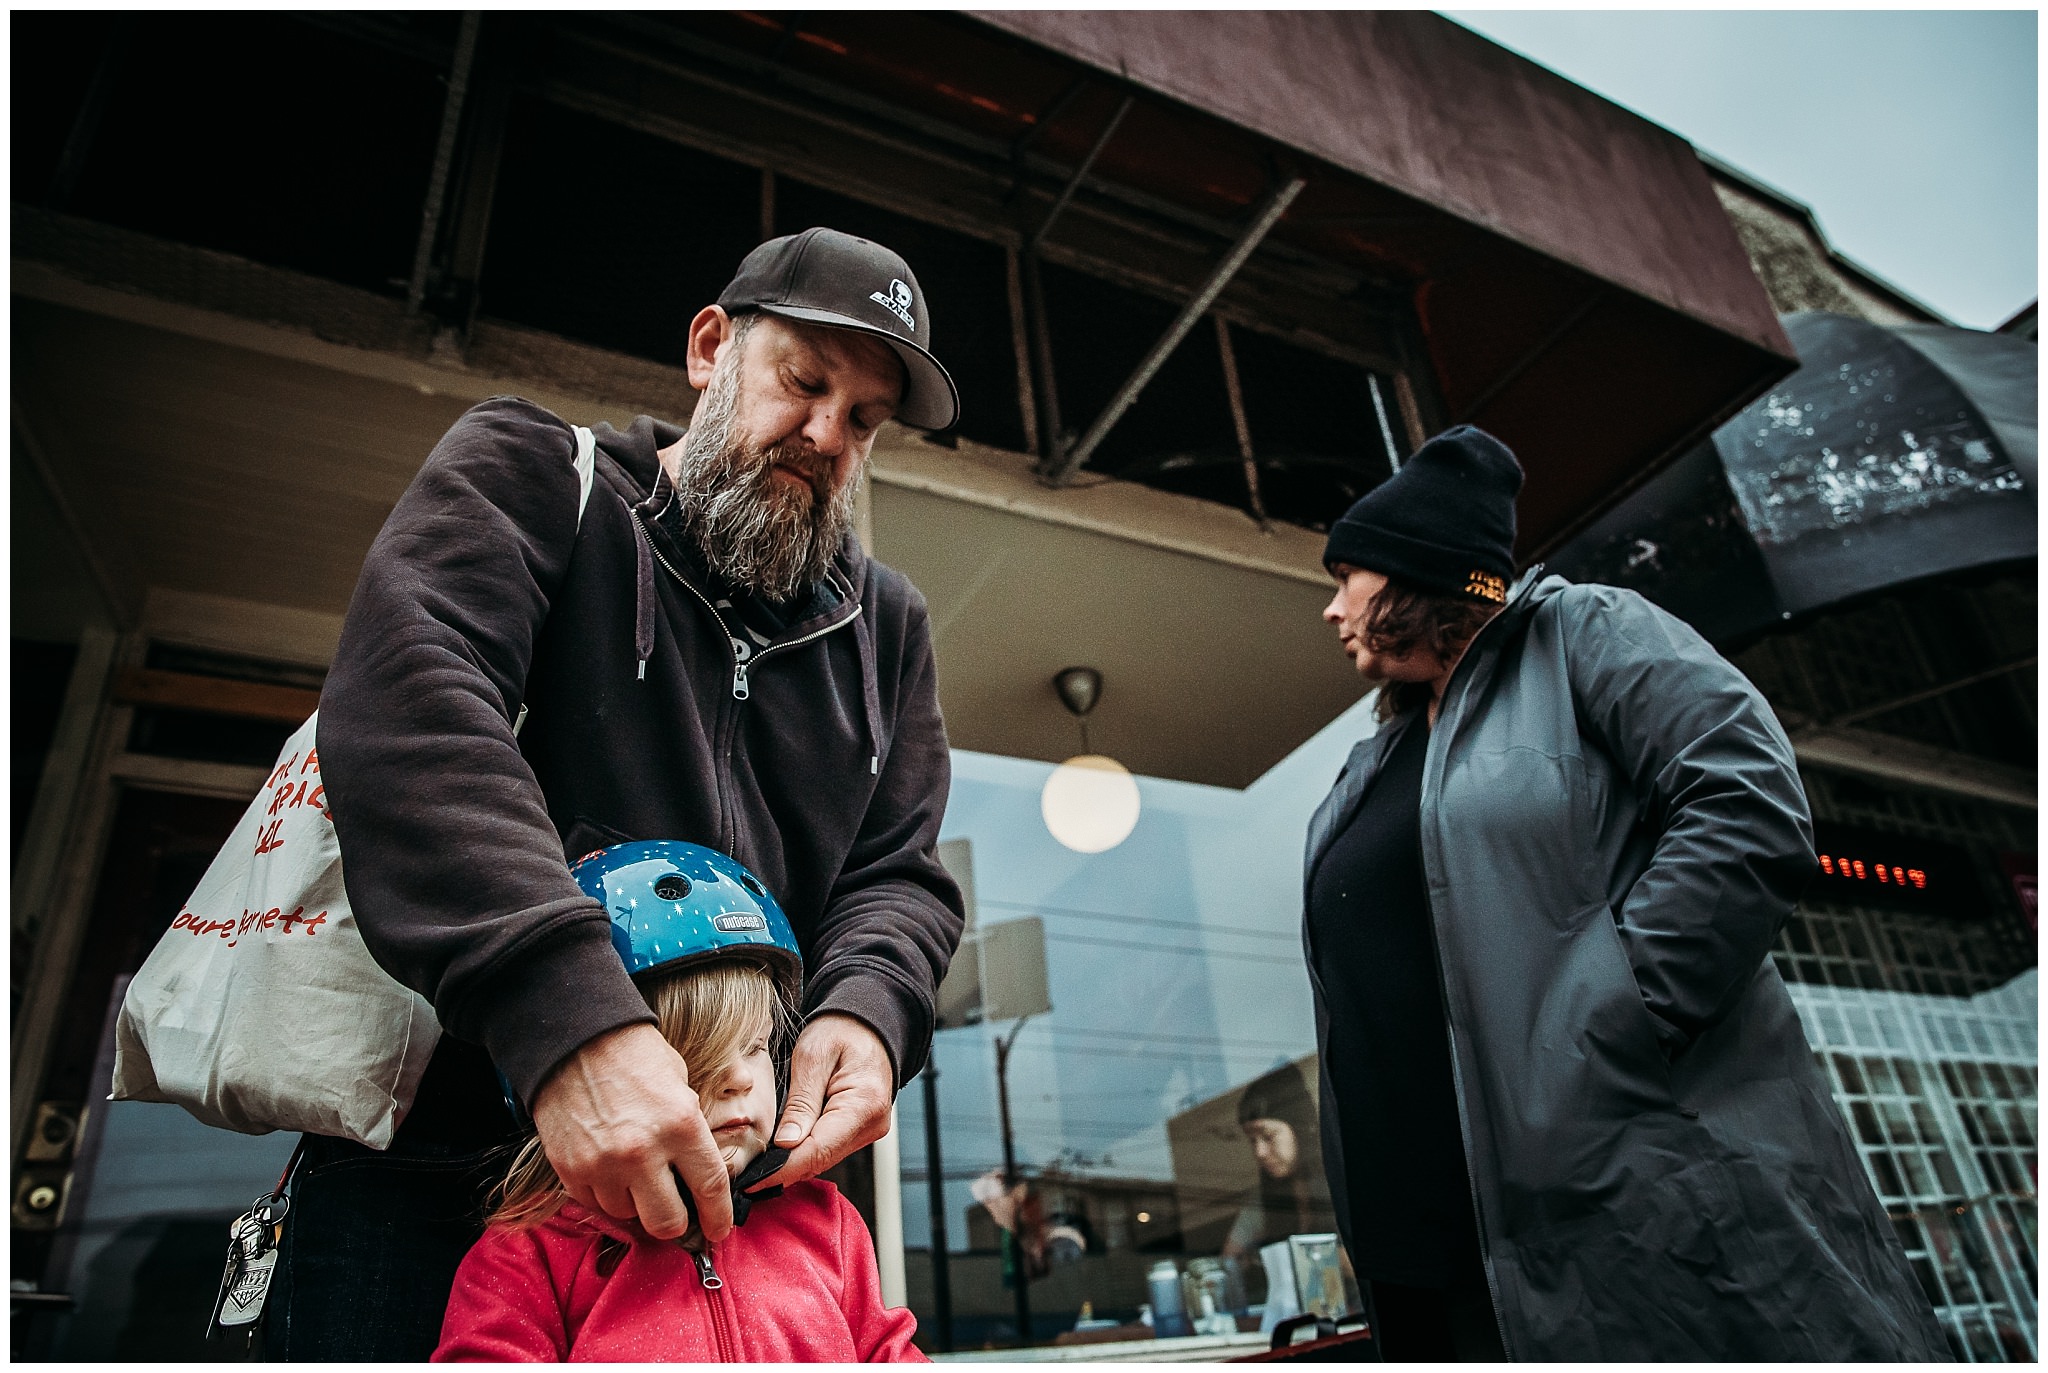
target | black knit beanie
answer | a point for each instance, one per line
(1443, 524)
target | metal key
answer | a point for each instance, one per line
(251, 1263)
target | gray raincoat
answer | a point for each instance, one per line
(1613, 832)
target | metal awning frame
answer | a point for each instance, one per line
(755, 108)
(1367, 296)
(1057, 466)
(1061, 468)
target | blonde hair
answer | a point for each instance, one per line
(710, 1014)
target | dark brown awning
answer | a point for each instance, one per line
(1416, 103)
(1582, 291)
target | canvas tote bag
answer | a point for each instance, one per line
(261, 1008)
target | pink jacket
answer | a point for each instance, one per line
(796, 1284)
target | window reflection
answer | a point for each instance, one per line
(1162, 1113)
(1155, 1106)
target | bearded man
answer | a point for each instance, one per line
(556, 646)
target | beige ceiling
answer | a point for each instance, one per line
(219, 462)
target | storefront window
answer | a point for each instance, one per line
(1162, 1111)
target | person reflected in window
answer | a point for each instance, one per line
(1278, 1118)
(1568, 1112)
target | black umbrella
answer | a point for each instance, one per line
(1892, 455)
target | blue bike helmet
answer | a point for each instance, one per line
(673, 904)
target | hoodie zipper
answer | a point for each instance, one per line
(739, 670)
(728, 720)
(741, 690)
(741, 687)
(714, 1290)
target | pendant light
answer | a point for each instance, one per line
(1090, 802)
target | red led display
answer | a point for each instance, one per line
(1888, 874)
(1870, 866)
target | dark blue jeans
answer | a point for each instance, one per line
(371, 1246)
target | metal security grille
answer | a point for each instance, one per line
(1939, 1093)
(1926, 1028)
(1834, 945)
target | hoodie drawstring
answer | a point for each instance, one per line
(870, 690)
(643, 599)
(643, 629)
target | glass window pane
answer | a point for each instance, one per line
(1174, 971)
(1924, 1271)
(1179, 1002)
(1909, 1234)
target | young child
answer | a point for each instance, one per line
(796, 1280)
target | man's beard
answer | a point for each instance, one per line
(758, 532)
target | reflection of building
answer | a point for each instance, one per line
(260, 262)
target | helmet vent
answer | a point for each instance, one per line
(747, 881)
(673, 887)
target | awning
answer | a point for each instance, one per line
(1425, 107)
(1560, 269)
(1893, 455)
(1582, 291)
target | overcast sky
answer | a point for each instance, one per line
(1911, 134)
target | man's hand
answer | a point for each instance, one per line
(840, 1088)
(616, 1117)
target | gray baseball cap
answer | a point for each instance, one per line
(822, 276)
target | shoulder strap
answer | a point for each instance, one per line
(586, 473)
(586, 469)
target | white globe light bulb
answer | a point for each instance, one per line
(1090, 803)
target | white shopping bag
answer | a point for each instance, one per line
(261, 1008)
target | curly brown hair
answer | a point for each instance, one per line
(1403, 619)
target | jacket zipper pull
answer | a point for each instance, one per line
(740, 690)
(708, 1274)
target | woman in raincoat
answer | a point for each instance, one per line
(1567, 1108)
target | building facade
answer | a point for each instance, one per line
(1195, 303)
